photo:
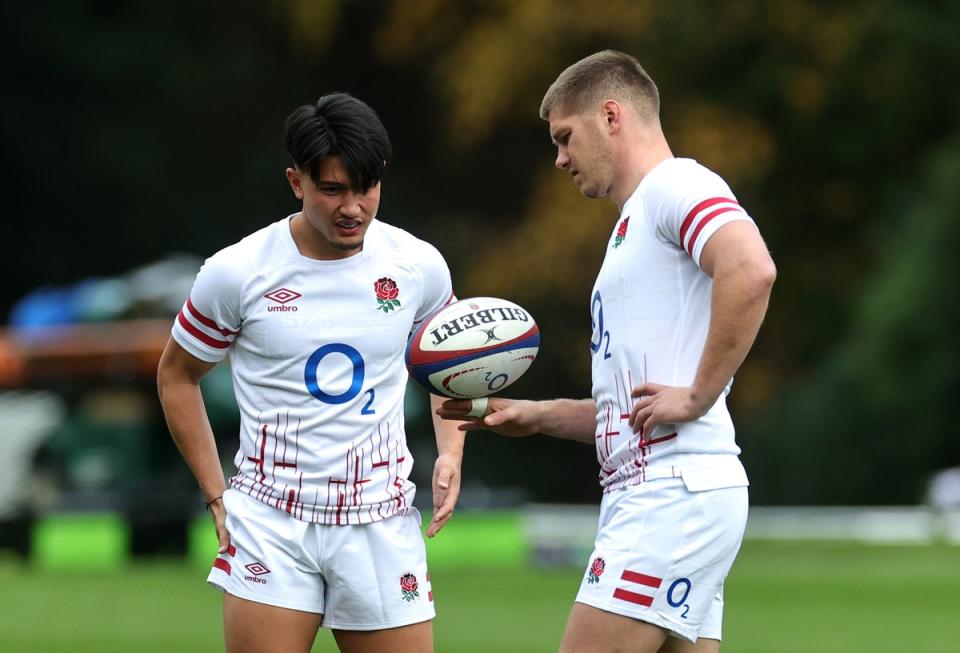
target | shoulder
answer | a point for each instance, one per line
(236, 263)
(679, 179)
(393, 242)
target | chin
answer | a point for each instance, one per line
(348, 247)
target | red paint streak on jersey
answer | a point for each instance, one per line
(627, 389)
(282, 463)
(608, 434)
(291, 495)
(397, 484)
(340, 497)
(632, 597)
(662, 438)
(358, 483)
(263, 448)
(645, 446)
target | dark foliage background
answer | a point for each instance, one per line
(131, 130)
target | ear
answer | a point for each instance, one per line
(296, 183)
(612, 114)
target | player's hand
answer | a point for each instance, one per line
(446, 491)
(514, 418)
(663, 404)
(218, 512)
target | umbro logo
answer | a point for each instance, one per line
(257, 569)
(282, 296)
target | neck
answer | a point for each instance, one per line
(641, 155)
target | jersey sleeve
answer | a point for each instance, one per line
(690, 206)
(210, 319)
(437, 285)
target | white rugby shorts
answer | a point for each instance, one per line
(662, 553)
(360, 577)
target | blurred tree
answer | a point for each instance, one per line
(134, 129)
(872, 422)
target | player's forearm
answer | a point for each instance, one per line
(568, 419)
(187, 420)
(740, 298)
(450, 438)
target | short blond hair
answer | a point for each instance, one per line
(605, 74)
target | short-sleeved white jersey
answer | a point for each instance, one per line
(651, 310)
(317, 356)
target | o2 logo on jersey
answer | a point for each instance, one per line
(356, 381)
(602, 336)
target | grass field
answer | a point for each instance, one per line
(781, 598)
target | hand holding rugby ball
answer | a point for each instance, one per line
(473, 348)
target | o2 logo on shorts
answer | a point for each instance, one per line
(356, 381)
(677, 593)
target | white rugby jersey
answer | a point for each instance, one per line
(316, 350)
(650, 309)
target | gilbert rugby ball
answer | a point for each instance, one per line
(472, 348)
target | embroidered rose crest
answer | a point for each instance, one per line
(387, 293)
(621, 232)
(408, 587)
(596, 570)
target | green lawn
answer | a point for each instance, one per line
(781, 598)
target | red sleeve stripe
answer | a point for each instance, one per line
(705, 204)
(206, 321)
(707, 218)
(200, 335)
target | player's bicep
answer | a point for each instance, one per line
(177, 365)
(736, 245)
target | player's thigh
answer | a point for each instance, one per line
(251, 627)
(703, 645)
(591, 630)
(415, 638)
(376, 576)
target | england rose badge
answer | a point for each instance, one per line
(596, 570)
(387, 293)
(408, 587)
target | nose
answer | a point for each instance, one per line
(351, 205)
(563, 159)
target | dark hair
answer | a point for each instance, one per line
(339, 125)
